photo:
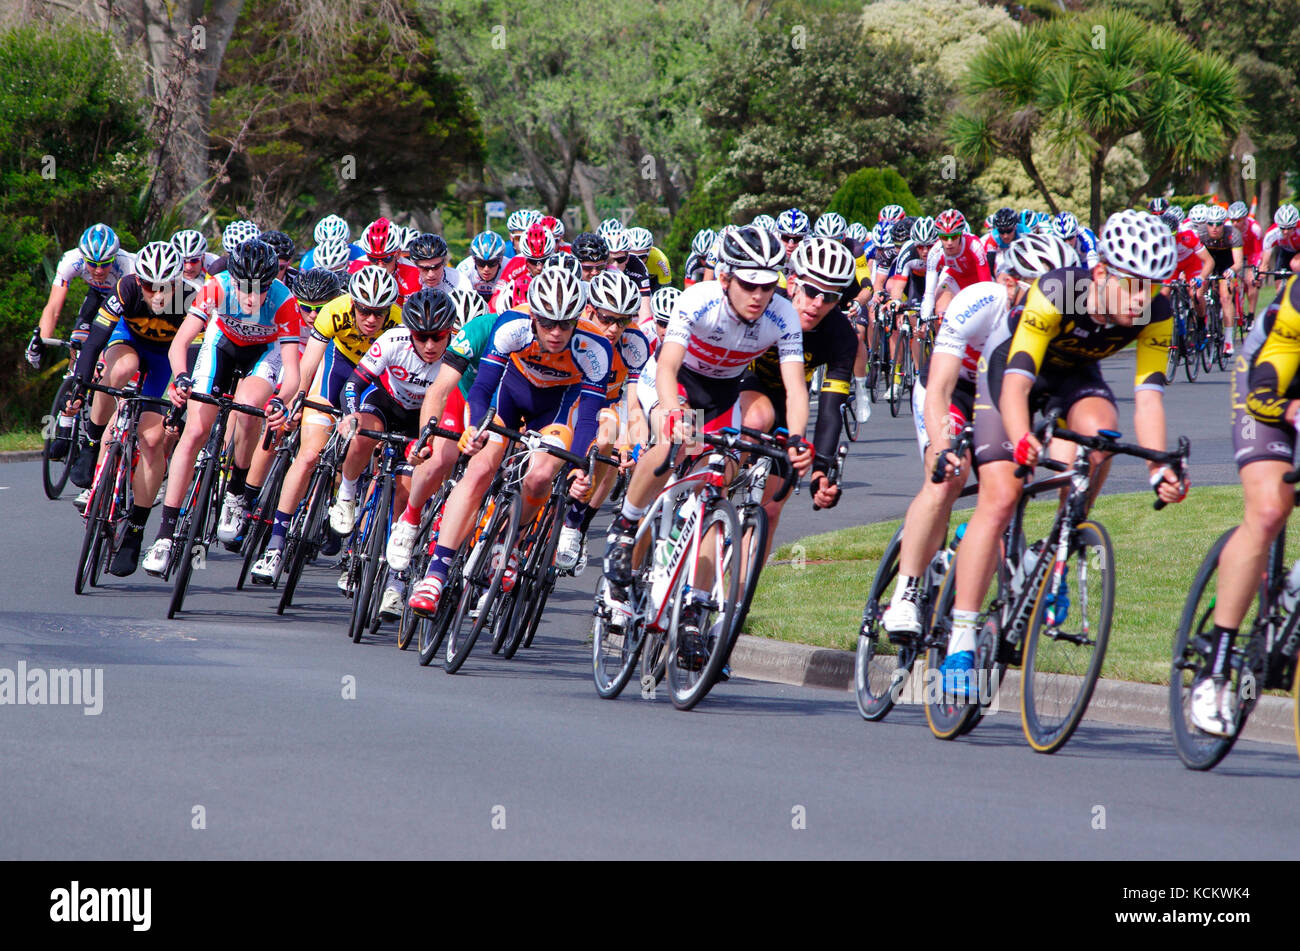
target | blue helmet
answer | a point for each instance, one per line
(487, 246)
(793, 221)
(1065, 226)
(882, 234)
(99, 244)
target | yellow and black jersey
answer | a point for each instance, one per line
(1272, 352)
(335, 322)
(127, 304)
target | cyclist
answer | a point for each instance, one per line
(482, 269)
(330, 228)
(538, 245)
(1001, 234)
(382, 243)
(592, 253)
(195, 256)
(1066, 227)
(342, 328)
(944, 401)
(543, 371)
(957, 260)
(1252, 249)
(1050, 359)
(1264, 410)
(823, 272)
(517, 225)
(284, 252)
(1224, 244)
(1194, 262)
(249, 321)
(333, 255)
(428, 253)
(907, 279)
(1282, 242)
(641, 246)
(792, 226)
(697, 268)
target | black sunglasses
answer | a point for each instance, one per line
(372, 311)
(434, 336)
(817, 294)
(749, 288)
(547, 324)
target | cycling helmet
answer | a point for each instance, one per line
(317, 285)
(158, 262)
(253, 262)
(704, 239)
(1216, 215)
(556, 294)
(640, 240)
(1237, 210)
(236, 233)
(332, 254)
(883, 235)
(1004, 219)
(1065, 226)
(891, 213)
(555, 224)
(591, 248)
(426, 247)
(408, 235)
(1171, 221)
(924, 231)
(901, 232)
(332, 226)
(1136, 243)
(428, 311)
(764, 221)
(663, 302)
(752, 254)
(950, 222)
(618, 242)
(1286, 216)
(539, 241)
(830, 225)
(520, 220)
(858, 232)
(1043, 223)
(373, 287)
(608, 227)
(191, 244)
(825, 260)
(1158, 205)
(469, 304)
(1197, 214)
(282, 243)
(614, 290)
(487, 246)
(1033, 255)
(793, 221)
(381, 238)
(563, 259)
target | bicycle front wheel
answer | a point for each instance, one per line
(193, 546)
(484, 576)
(1068, 633)
(880, 668)
(948, 716)
(54, 472)
(615, 647)
(88, 564)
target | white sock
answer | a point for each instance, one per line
(348, 488)
(962, 637)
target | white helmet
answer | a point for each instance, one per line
(1216, 215)
(158, 262)
(608, 227)
(556, 295)
(1286, 216)
(702, 243)
(565, 260)
(614, 291)
(1033, 255)
(1197, 214)
(1139, 244)
(766, 222)
(830, 225)
(332, 226)
(640, 240)
(332, 254)
(663, 302)
(752, 254)
(825, 260)
(190, 243)
(236, 233)
(469, 304)
(373, 287)
(618, 242)
(519, 221)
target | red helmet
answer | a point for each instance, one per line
(556, 226)
(950, 222)
(539, 241)
(520, 285)
(381, 238)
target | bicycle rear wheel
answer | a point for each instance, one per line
(898, 373)
(54, 472)
(849, 417)
(1193, 657)
(753, 541)
(371, 552)
(880, 668)
(1061, 663)
(300, 542)
(531, 602)
(193, 547)
(948, 717)
(88, 563)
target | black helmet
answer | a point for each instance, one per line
(429, 310)
(282, 243)
(901, 232)
(317, 286)
(1004, 219)
(1158, 205)
(590, 248)
(424, 247)
(1171, 220)
(253, 262)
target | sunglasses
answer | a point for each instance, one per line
(817, 294)
(430, 268)
(1006, 231)
(309, 308)
(622, 259)
(949, 237)
(155, 288)
(384, 258)
(371, 311)
(791, 237)
(547, 324)
(198, 260)
(252, 287)
(592, 267)
(749, 288)
(98, 264)
(537, 261)
(480, 262)
(435, 336)
(606, 317)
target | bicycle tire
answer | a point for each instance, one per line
(96, 523)
(947, 719)
(614, 655)
(195, 523)
(55, 472)
(371, 553)
(874, 370)
(686, 687)
(878, 676)
(1193, 653)
(479, 579)
(753, 540)
(298, 543)
(1061, 668)
(894, 390)
(432, 631)
(528, 618)
(849, 418)
(1220, 351)
(258, 532)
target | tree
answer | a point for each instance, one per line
(868, 190)
(943, 35)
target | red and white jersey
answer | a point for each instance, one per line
(406, 275)
(1252, 241)
(1188, 243)
(972, 315)
(276, 319)
(1274, 238)
(392, 363)
(968, 266)
(719, 344)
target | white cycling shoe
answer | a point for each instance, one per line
(343, 516)
(230, 525)
(155, 559)
(1214, 707)
(263, 572)
(902, 618)
(569, 548)
(401, 541)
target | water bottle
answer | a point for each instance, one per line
(1291, 589)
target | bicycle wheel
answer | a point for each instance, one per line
(615, 648)
(1193, 656)
(1194, 346)
(948, 717)
(193, 546)
(530, 604)
(88, 563)
(481, 581)
(875, 369)
(371, 552)
(258, 532)
(1220, 351)
(299, 543)
(753, 541)
(716, 607)
(880, 668)
(849, 417)
(898, 371)
(1064, 652)
(54, 472)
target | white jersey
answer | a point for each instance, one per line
(972, 315)
(719, 344)
(72, 265)
(393, 365)
(468, 273)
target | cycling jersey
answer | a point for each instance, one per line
(72, 266)
(468, 347)
(1287, 243)
(718, 343)
(406, 275)
(127, 305)
(1252, 242)
(661, 272)
(966, 327)
(694, 269)
(636, 270)
(336, 322)
(393, 365)
(467, 270)
(1272, 354)
(628, 356)
(993, 247)
(1085, 243)
(1221, 248)
(962, 269)
(1188, 245)
(276, 320)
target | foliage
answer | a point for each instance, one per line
(943, 35)
(706, 207)
(1005, 182)
(868, 190)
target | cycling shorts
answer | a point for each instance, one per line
(1054, 391)
(394, 417)
(155, 368)
(520, 404)
(327, 386)
(220, 357)
(1252, 440)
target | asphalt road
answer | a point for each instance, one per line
(233, 733)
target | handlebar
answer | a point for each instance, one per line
(762, 444)
(125, 393)
(960, 445)
(534, 441)
(836, 469)
(56, 342)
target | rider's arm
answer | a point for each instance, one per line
(177, 354)
(933, 262)
(311, 357)
(1207, 261)
(945, 369)
(53, 308)
(669, 361)
(435, 397)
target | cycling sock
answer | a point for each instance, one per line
(238, 479)
(279, 528)
(963, 631)
(139, 516)
(632, 513)
(576, 515)
(411, 515)
(906, 589)
(348, 488)
(588, 518)
(251, 492)
(95, 432)
(169, 515)
(440, 562)
(1223, 636)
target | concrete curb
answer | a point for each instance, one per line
(1114, 701)
(21, 455)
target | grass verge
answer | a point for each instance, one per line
(815, 592)
(18, 439)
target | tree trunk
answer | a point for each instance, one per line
(1097, 168)
(1027, 161)
(588, 196)
(666, 187)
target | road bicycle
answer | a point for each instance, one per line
(1214, 351)
(899, 393)
(258, 530)
(55, 471)
(414, 627)
(1187, 337)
